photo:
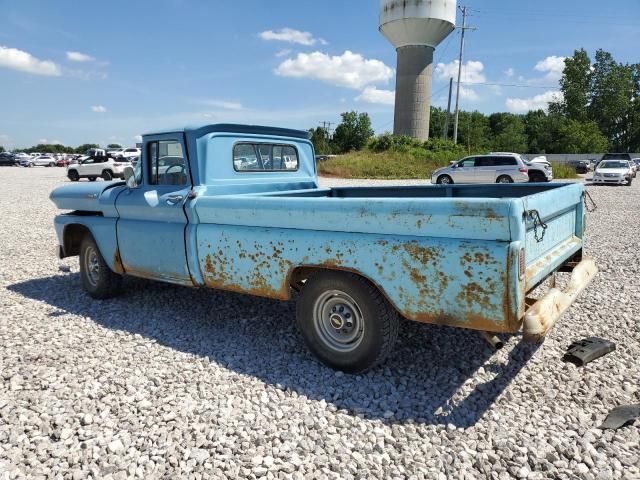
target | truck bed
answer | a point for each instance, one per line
(437, 259)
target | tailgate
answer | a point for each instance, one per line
(554, 225)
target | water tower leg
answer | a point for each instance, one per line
(413, 91)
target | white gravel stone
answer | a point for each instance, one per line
(170, 382)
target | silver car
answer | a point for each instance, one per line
(483, 169)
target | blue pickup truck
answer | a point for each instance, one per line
(239, 208)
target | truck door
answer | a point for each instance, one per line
(152, 221)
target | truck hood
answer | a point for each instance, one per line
(87, 197)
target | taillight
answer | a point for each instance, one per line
(522, 267)
(524, 170)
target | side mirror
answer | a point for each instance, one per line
(130, 177)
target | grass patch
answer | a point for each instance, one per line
(563, 171)
(385, 165)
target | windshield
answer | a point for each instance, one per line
(608, 164)
(615, 156)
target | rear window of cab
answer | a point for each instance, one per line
(265, 157)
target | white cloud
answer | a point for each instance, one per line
(468, 93)
(509, 72)
(472, 71)
(350, 69)
(553, 65)
(283, 53)
(98, 109)
(291, 35)
(223, 104)
(25, 62)
(374, 95)
(538, 102)
(43, 141)
(79, 57)
(137, 138)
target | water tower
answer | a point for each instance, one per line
(415, 28)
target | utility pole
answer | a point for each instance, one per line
(326, 126)
(464, 29)
(445, 133)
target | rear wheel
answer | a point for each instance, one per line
(73, 175)
(107, 175)
(98, 280)
(444, 180)
(504, 179)
(51, 164)
(345, 321)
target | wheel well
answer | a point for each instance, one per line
(73, 235)
(299, 275)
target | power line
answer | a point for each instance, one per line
(510, 85)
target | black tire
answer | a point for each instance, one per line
(98, 280)
(536, 178)
(92, 179)
(504, 179)
(73, 175)
(444, 180)
(107, 175)
(51, 164)
(629, 181)
(374, 322)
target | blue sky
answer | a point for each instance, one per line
(105, 72)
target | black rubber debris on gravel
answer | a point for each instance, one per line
(621, 416)
(584, 351)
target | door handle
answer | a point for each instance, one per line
(174, 199)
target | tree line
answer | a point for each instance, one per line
(599, 111)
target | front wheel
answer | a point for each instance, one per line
(629, 182)
(73, 175)
(51, 164)
(444, 180)
(504, 179)
(107, 175)
(346, 322)
(98, 280)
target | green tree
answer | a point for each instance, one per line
(575, 86)
(572, 136)
(114, 145)
(321, 144)
(473, 131)
(354, 132)
(508, 132)
(2, 150)
(436, 122)
(612, 99)
(537, 129)
(86, 146)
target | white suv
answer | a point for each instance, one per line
(94, 167)
(128, 153)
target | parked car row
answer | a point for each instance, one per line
(496, 167)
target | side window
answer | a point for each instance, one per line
(167, 164)
(484, 162)
(467, 163)
(252, 157)
(505, 161)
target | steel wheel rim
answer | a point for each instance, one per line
(92, 266)
(445, 181)
(338, 321)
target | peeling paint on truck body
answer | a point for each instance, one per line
(451, 255)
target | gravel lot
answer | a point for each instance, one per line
(168, 382)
